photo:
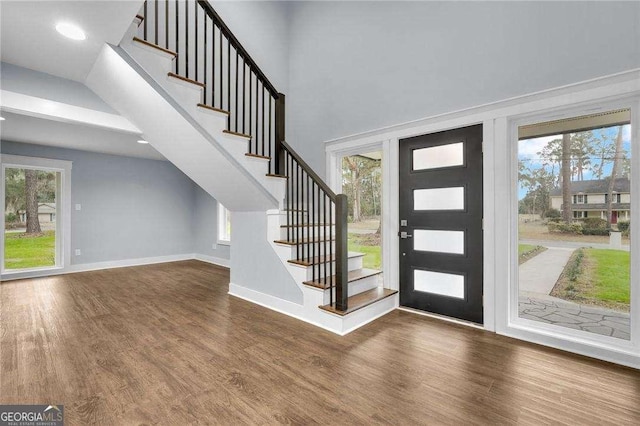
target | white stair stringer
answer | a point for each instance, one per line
(158, 64)
(176, 136)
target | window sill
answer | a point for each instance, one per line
(224, 242)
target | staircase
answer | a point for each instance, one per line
(185, 80)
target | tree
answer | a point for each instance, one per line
(567, 213)
(615, 170)
(361, 179)
(582, 150)
(31, 195)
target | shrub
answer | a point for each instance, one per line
(565, 228)
(574, 267)
(553, 214)
(595, 231)
(624, 226)
(594, 223)
(11, 217)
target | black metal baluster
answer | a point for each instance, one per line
(229, 83)
(155, 21)
(271, 162)
(195, 13)
(237, 112)
(262, 121)
(177, 40)
(290, 189)
(221, 74)
(250, 106)
(166, 24)
(244, 94)
(204, 71)
(324, 237)
(311, 217)
(144, 21)
(186, 38)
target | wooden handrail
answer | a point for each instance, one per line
(307, 168)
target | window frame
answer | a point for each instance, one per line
(565, 337)
(222, 215)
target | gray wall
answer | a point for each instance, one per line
(358, 66)
(131, 207)
(254, 263)
(205, 226)
(46, 86)
(263, 29)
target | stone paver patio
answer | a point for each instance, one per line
(572, 315)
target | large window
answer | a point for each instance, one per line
(573, 230)
(36, 196)
(224, 225)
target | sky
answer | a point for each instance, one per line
(528, 150)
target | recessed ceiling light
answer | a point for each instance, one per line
(70, 31)
(1, 118)
(142, 141)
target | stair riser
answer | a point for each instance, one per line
(311, 249)
(355, 287)
(354, 263)
(304, 232)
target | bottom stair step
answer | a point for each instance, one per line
(361, 300)
(354, 275)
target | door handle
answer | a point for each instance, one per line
(404, 235)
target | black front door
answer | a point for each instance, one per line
(441, 223)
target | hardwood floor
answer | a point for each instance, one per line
(166, 344)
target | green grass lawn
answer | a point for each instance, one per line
(373, 254)
(525, 248)
(22, 252)
(610, 275)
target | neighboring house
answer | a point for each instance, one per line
(46, 213)
(589, 198)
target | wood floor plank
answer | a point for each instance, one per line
(166, 344)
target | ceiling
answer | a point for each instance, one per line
(27, 129)
(28, 37)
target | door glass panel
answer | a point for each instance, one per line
(439, 199)
(439, 241)
(438, 156)
(444, 284)
(574, 206)
(30, 218)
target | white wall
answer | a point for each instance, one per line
(131, 208)
(357, 66)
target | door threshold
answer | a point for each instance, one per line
(441, 317)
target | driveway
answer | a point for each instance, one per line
(569, 244)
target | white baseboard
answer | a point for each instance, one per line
(212, 259)
(86, 267)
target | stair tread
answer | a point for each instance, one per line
(155, 46)
(277, 176)
(264, 157)
(354, 275)
(185, 79)
(209, 107)
(309, 261)
(303, 241)
(361, 300)
(230, 132)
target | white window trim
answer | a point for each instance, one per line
(63, 218)
(497, 183)
(221, 224)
